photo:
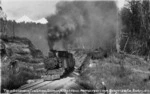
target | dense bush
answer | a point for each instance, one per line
(135, 18)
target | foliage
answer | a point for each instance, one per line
(118, 71)
(17, 62)
(136, 22)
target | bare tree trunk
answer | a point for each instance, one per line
(2, 22)
(13, 29)
(126, 44)
(118, 39)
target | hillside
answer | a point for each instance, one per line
(20, 60)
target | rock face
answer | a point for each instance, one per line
(20, 61)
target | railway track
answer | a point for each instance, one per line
(42, 84)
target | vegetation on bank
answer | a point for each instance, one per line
(135, 31)
(20, 60)
(118, 71)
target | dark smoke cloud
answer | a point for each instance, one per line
(83, 24)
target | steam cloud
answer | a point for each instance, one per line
(83, 24)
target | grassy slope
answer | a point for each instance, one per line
(118, 71)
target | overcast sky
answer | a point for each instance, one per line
(34, 9)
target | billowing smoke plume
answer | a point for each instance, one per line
(83, 24)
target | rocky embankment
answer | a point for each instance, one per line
(20, 61)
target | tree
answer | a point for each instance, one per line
(2, 22)
(136, 21)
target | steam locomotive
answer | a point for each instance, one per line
(58, 64)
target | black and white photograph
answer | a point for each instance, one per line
(75, 46)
